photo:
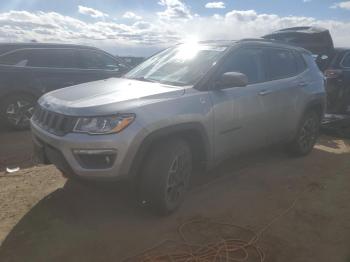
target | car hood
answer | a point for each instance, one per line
(106, 97)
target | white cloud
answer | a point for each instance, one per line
(307, 1)
(175, 9)
(342, 5)
(131, 15)
(91, 12)
(142, 25)
(217, 5)
(145, 36)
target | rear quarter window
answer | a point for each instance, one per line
(346, 60)
(300, 62)
(89, 59)
(52, 58)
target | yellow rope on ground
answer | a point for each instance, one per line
(226, 249)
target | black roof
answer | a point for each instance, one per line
(7, 47)
(315, 39)
(43, 45)
(302, 29)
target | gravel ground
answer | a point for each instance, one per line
(45, 218)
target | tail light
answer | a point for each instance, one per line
(332, 73)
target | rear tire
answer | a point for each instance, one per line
(16, 111)
(307, 135)
(166, 175)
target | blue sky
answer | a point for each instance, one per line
(316, 8)
(141, 27)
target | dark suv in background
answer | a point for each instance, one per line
(27, 71)
(337, 72)
(333, 62)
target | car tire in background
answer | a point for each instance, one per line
(306, 136)
(16, 111)
(165, 175)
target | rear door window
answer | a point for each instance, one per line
(280, 63)
(300, 61)
(346, 61)
(40, 57)
(52, 58)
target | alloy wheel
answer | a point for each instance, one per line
(178, 179)
(19, 112)
(308, 134)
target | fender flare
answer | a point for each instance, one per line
(319, 103)
(173, 130)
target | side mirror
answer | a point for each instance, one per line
(113, 67)
(233, 79)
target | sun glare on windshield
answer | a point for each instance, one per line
(188, 50)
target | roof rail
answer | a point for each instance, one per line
(273, 41)
(260, 40)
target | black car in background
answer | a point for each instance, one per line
(333, 62)
(28, 71)
(337, 72)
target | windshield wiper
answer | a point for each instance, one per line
(142, 79)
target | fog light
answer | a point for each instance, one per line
(95, 158)
(94, 151)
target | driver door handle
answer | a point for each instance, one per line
(265, 92)
(302, 84)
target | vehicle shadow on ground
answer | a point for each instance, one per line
(80, 223)
(3, 128)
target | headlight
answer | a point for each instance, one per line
(103, 124)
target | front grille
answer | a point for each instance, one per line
(52, 122)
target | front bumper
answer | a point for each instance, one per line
(104, 156)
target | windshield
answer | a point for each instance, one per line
(181, 65)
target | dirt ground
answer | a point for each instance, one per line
(45, 218)
(15, 149)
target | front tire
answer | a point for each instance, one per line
(16, 111)
(307, 135)
(166, 175)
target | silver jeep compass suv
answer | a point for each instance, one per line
(190, 105)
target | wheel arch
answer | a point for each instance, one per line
(17, 92)
(316, 105)
(193, 133)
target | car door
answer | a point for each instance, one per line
(239, 115)
(338, 82)
(281, 93)
(96, 65)
(53, 68)
(345, 65)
